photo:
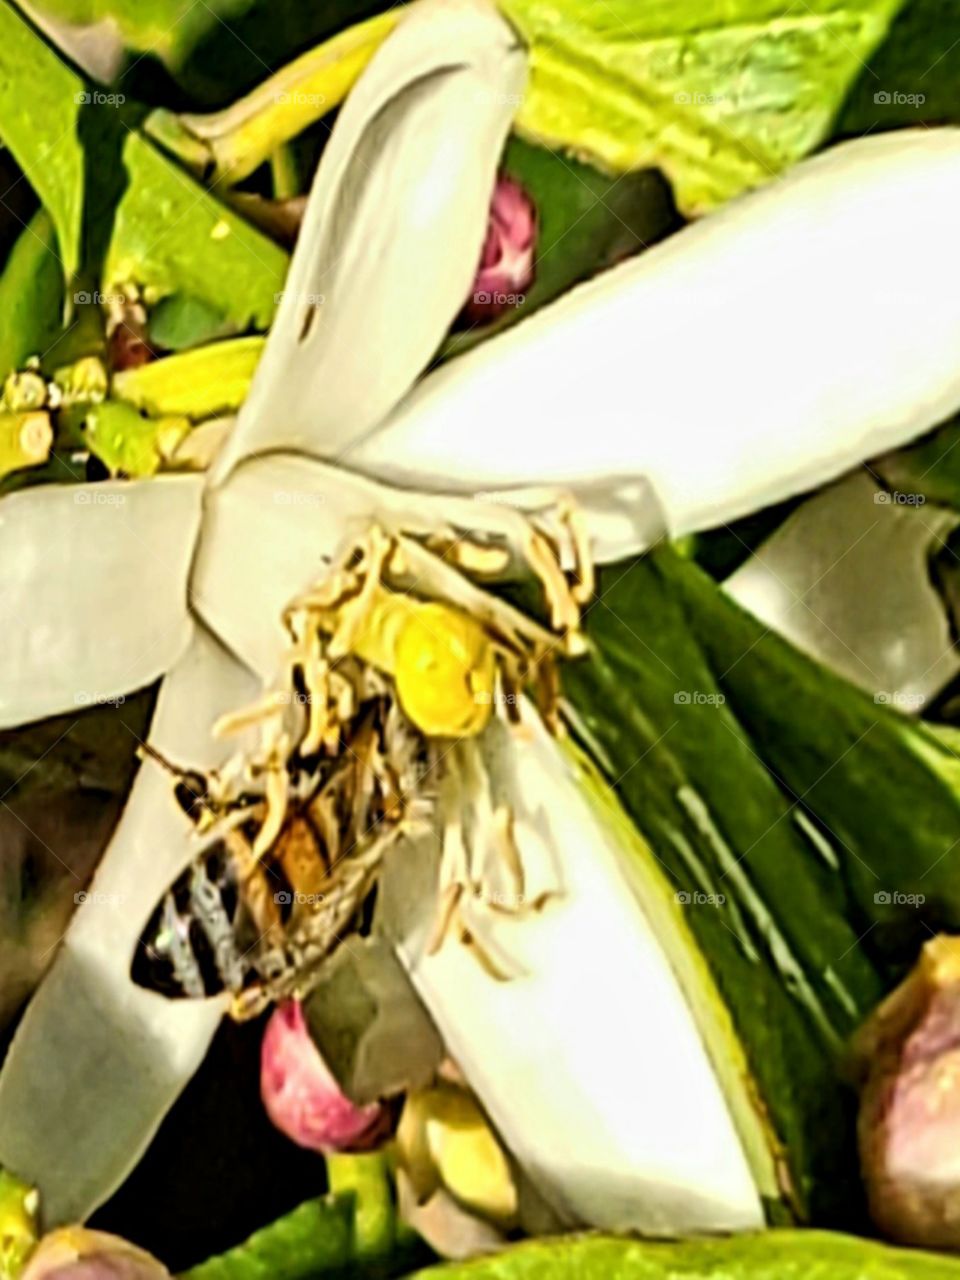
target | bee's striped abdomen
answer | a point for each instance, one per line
(190, 947)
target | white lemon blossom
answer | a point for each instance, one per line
(748, 358)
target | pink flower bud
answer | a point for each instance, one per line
(506, 265)
(300, 1094)
(74, 1253)
(909, 1065)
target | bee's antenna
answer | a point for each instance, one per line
(146, 752)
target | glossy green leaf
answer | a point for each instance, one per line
(721, 95)
(40, 98)
(31, 295)
(776, 1255)
(826, 820)
(170, 236)
(150, 224)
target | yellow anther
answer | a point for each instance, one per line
(445, 671)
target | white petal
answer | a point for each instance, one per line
(97, 1062)
(392, 234)
(846, 579)
(92, 590)
(753, 355)
(283, 518)
(590, 1063)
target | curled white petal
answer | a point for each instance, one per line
(92, 590)
(846, 579)
(96, 1061)
(590, 1062)
(753, 355)
(392, 234)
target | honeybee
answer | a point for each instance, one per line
(397, 661)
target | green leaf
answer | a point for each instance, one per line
(31, 295)
(181, 321)
(774, 1255)
(153, 225)
(316, 1239)
(585, 223)
(170, 236)
(912, 78)
(930, 468)
(883, 789)
(760, 900)
(827, 823)
(38, 122)
(353, 1231)
(721, 95)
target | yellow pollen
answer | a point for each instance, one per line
(445, 671)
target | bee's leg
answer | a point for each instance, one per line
(277, 789)
(258, 894)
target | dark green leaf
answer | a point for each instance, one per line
(931, 467)
(770, 918)
(688, 759)
(914, 77)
